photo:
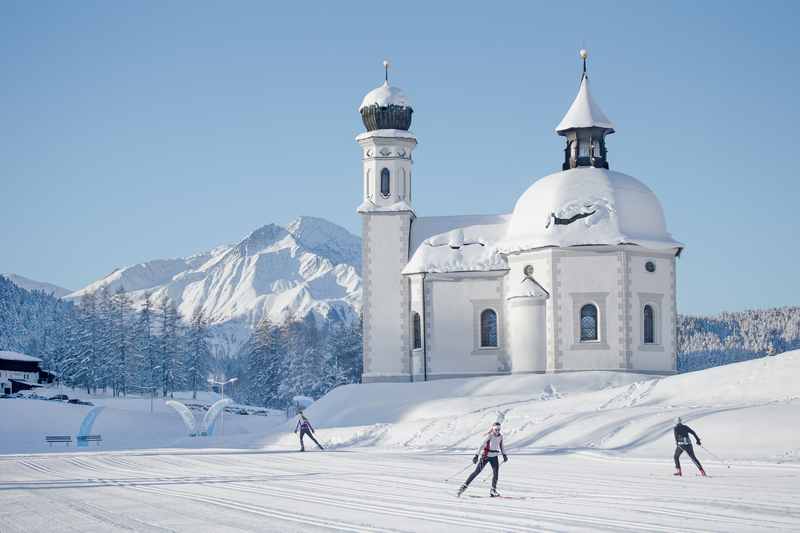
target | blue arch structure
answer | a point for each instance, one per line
(86, 425)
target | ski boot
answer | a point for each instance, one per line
(493, 493)
(677, 472)
(461, 490)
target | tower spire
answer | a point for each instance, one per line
(584, 54)
(386, 70)
(585, 127)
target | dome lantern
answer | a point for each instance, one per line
(386, 107)
(585, 127)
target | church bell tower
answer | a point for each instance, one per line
(387, 215)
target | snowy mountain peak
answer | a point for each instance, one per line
(311, 266)
(32, 285)
(260, 239)
(327, 239)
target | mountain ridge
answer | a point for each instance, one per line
(35, 285)
(310, 265)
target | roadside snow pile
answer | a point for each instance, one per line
(746, 410)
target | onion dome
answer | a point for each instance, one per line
(386, 107)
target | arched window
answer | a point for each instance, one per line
(385, 182)
(589, 322)
(488, 329)
(649, 325)
(417, 330)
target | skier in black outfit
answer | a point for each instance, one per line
(684, 444)
(490, 448)
(304, 427)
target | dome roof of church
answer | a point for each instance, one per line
(384, 96)
(585, 206)
(386, 108)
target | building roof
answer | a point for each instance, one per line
(526, 288)
(16, 356)
(456, 244)
(585, 206)
(384, 96)
(584, 112)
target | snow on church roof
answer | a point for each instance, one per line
(384, 96)
(584, 112)
(585, 206)
(16, 356)
(457, 244)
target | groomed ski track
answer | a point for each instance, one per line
(228, 490)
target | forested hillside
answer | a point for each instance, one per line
(101, 342)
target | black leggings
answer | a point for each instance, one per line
(303, 433)
(689, 450)
(495, 470)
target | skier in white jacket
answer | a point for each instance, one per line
(490, 449)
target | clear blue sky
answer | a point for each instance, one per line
(139, 130)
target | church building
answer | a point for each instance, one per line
(579, 276)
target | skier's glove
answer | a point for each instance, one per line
(475, 459)
(698, 442)
(505, 458)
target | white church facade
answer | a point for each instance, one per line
(579, 276)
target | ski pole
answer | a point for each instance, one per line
(457, 473)
(715, 456)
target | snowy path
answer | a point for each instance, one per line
(221, 491)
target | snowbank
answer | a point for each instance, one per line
(746, 410)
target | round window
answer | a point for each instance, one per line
(650, 266)
(528, 271)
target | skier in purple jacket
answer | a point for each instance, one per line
(304, 427)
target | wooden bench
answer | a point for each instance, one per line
(66, 439)
(90, 438)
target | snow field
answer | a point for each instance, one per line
(744, 411)
(124, 423)
(588, 452)
(215, 490)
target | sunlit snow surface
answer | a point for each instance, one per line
(588, 452)
(362, 491)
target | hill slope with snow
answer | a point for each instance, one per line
(32, 285)
(309, 266)
(746, 410)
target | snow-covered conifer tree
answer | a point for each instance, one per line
(198, 352)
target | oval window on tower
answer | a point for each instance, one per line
(385, 182)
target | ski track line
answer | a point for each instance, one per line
(635, 494)
(107, 518)
(627, 490)
(557, 517)
(35, 467)
(520, 513)
(305, 497)
(716, 513)
(336, 500)
(263, 511)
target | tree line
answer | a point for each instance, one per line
(303, 357)
(103, 343)
(704, 342)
